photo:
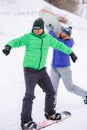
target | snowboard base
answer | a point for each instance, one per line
(49, 17)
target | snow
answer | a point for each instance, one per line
(16, 18)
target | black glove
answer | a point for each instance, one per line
(73, 57)
(6, 50)
(49, 27)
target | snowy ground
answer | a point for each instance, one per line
(16, 18)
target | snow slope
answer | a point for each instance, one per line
(16, 18)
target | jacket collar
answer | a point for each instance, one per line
(40, 36)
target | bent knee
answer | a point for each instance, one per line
(28, 97)
(71, 89)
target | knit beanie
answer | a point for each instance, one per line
(38, 23)
(67, 30)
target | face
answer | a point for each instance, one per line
(38, 31)
(63, 34)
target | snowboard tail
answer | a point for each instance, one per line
(45, 123)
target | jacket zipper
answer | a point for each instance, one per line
(40, 53)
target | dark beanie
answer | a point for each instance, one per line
(67, 30)
(38, 23)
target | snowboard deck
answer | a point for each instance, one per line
(49, 17)
(46, 123)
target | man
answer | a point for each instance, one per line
(60, 67)
(37, 43)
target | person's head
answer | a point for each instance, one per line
(66, 32)
(38, 26)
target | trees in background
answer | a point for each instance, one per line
(78, 7)
(69, 5)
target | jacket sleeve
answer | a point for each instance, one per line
(60, 46)
(72, 42)
(21, 41)
(52, 33)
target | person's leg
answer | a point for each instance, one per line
(55, 77)
(66, 75)
(46, 85)
(31, 79)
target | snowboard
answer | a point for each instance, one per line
(49, 17)
(47, 123)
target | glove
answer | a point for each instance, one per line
(73, 57)
(49, 27)
(6, 50)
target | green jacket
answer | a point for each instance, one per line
(37, 48)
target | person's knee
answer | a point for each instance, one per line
(71, 89)
(29, 97)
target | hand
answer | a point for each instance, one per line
(73, 57)
(6, 50)
(49, 27)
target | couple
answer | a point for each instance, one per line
(37, 43)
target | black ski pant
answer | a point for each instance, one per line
(33, 77)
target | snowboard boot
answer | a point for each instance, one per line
(55, 116)
(29, 125)
(85, 100)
